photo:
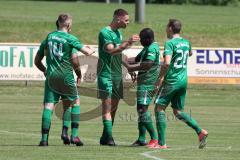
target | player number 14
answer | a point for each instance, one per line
(55, 50)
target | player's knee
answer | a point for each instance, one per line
(77, 101)
(159, 108)
(49, 106)
(107, 115)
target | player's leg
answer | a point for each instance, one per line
(117, 94)
(146, 119)
(178, 110)
(114, 107)
(141, 141)
(46, 123)
(163, 98)
(71, 101)
(75, 119)
(50, 98)
(105, 94)
(161, 124)
(106, 138)
(144, 98)
(67, 109)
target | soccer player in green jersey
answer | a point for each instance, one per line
(109, 70)
(61, 59)
(148, 61)
(173, 77)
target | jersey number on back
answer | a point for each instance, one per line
(181, 62)
(55, 50)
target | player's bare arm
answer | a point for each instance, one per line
(163, 71)
(76, 66)
(125, 44)
(125, 62)
(190, 53)
(140, 67)
(87, 50)
(39, 64)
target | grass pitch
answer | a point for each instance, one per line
(205, 26)
(217, 110)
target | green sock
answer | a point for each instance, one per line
(107, 129)
(67, 117)
(161, 127)
(189, 121)
(142, 131)
(75, 117)
(46, 123)
(147, 121)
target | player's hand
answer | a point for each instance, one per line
(157, 85)
(134, 38)
(190, 53)
(93, 50)
(133, 76)
(87, 50)
(78, 81)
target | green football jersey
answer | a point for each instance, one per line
(59, 49)
(149, 77)
(179, 49)
(109, 66)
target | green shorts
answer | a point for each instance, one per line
(54, 89)
(171, 93)
(110, 88)
(145, 95)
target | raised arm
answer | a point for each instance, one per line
(109, 48)
(87, 50)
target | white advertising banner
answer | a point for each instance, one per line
(17, 62)
(214, 65)
(207, 65)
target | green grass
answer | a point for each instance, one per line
(217, 110)
(205, 26)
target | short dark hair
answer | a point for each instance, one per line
(120, 12)
(146, 36)
(63, 19)
(175, 25)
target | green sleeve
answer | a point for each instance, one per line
(105, 38)
(41, 49)
(151, 54)
(168, 48)
(75, 43)
(74, 51)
